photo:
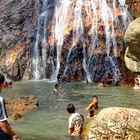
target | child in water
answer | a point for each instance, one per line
(93, 105)
(90, 114)
(56, 88)
(102, 84)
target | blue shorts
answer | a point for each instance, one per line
(4, 136)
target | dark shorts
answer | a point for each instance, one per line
(4, 136)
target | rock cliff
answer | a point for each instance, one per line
(18, 29)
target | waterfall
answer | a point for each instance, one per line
(77, 29)
(41, 42)
(39, 49)
(84, 32)
(60, 15)
(88, 76)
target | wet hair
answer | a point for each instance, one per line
(10, 83)
(71, 108)
(2, 78)
(94, 97)
(56, 85)
(6, 83)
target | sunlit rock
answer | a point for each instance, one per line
(17, 22)
(116, 123)
(132, 37)
(17, 106)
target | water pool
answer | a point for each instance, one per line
(50, 121)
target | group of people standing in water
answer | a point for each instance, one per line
(76, 120)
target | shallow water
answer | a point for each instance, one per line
(50, 121)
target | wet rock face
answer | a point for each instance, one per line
(17, 20)
(132, 37)
(21, 105)
(134, 6)
(18, 28)
(116, 123)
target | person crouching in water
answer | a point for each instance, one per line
(6, 132)
(76, 121)
(90, 114)
(56, 88)
(93, 105)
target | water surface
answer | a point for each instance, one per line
(50, 121)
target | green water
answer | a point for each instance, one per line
(50, 121)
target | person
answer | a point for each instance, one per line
(56, 88)
(6, 132)
(137, 83)
(86, 81)
(94, 104)
(102, 84)
(59, 78)
(10, 84)
(76, 121)
(90, 114)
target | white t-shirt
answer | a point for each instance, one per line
(3, 113)
(76, 123)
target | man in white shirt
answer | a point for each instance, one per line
(75, 121)
(6, 132)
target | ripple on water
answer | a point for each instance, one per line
(50, 121)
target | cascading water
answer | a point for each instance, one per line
(85, 64)
(39, 50)
(60, 21)
(85, 38)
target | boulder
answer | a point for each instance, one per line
(132, 38)
(21, 105)
(17, 117)
(116, 123)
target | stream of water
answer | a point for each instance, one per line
(50, 120)
(59, 19)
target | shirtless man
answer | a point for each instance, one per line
(56, 88)
(94, 104)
